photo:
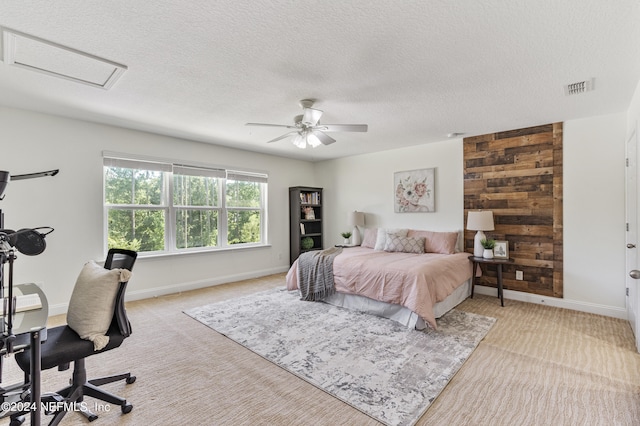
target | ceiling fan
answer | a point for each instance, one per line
(308, 130)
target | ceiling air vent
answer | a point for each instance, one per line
(578, 87)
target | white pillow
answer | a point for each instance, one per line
(381, 241)
(93, 302)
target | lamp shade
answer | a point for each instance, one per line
(480, 221)
(356, 218)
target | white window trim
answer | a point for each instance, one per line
(169, 167)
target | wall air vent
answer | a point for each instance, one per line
(579, 87)
(36, 54)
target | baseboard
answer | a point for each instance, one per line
(180, 287)
(576, 305)
(58, 309)
(593, 308)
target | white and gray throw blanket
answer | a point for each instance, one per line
(315, 274)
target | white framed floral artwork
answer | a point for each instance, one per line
(414, 191)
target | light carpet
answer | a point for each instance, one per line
(383, 369)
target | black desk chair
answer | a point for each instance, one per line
(64, 345)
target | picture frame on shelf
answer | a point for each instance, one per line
(309, 213)
(501, 250)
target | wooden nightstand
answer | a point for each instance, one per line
(498, 262)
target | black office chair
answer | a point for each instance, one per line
(63, 346)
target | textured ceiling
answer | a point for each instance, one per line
(414, 71)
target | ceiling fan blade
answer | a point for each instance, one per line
(271, 125)
(282, 137)
(311, 116)
(344, 127)
(324, 138)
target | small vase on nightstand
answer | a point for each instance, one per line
(347, 238)
(488, 244)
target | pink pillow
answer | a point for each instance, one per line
(370, 235)
(437, 242)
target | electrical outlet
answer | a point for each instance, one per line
(519, 276)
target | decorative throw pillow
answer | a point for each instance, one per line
(396, 243)
(370, 235)
(381, 239)
(93, 302)
(437, 242)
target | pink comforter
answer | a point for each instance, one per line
(415, 281)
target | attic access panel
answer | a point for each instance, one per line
(36, 54)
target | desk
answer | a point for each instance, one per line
(29, 329)
(498, 262)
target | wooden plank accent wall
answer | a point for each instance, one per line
(518, 175)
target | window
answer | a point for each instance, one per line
(197, 205)
(161, 207)
(244, 198)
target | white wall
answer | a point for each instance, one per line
(593, 205)
(594, 210)
(365, 183)
(72, 204)
(633, 113)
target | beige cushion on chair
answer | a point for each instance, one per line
(93, 302)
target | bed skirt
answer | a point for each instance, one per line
(398, 313)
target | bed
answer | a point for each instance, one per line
(412, 288)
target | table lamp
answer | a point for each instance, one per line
(479, 221)
(356, 219)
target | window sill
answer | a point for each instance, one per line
(203, 251)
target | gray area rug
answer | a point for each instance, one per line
(379, 367)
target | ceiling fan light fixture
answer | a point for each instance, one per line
(313, 140)
(307, 130)
(311, 116)
(300, 141)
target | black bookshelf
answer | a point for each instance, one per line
(304, 202)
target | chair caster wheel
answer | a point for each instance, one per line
(126, 409)
(131, 379)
